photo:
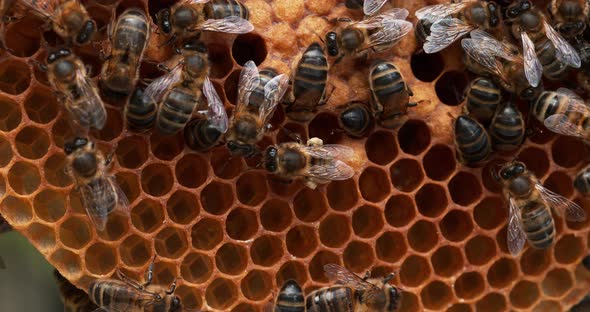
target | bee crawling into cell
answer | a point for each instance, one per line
(355, 118)
(472, 141)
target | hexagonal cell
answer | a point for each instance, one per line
(231, 259)
(221, 294)
(135, 251)
(447, 260)
(464, 188)
(224, 165)
(100, 259)
(157, 179)
(436, 295)
(17, 211)
(55, 170)
(290, 130)
(166, 147)
(182, 207)
(207, 234)
(67, 263)
(557, 282)
(334, 230)
(196, 267)
(301, 241)
(61, 131)
(15, 76)
(480, 249)
(469, 285)
(251, 188)
(490, 213)
(50, 205)
(524, 294)
(113, 127)
(147, 216)
(256, 285)
(399, 210)
(282, 188)
(275, 215)
(502, 273)
(414, 137)
(439, 162)
(217, 197)
(575, 151)
(568, 249)
(358, 256)
(221, 62)
(191, 170)
(391, 247)
(450, 86)
(427, 67)
(536, 160)
(32, 142)
(431, 200)
(245, 307)
(381, 147)
(250, 46)
(291, 270)
(322, 126)
(309, 205)
(117, 226)
(132, 152)
(5, 152)
(422, 236)
(492, 302)
(40, 105)
(373, 184)
(406, 175)
(560, 183)
(129, 183)
(10, 114)
(190, 297)
(367, 221)
(24, 178)
(266, 250)
(460, 307)
(241, 224)
(535, 261)
(43, 236)
(342, 195)
(165, 273)
(456, 225)
(75, 232)
(22, 37)
(171, 242)
(316, 265)
(549, 306)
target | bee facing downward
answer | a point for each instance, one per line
(99, 192)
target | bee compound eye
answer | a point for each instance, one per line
(505, 174)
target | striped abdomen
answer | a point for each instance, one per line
(257, 96)
(309, 83)
(219, 9)
(507, 129)
(483, 97)
(114, 296)
(537, 223)
(140, 112)
(549, 103)
(330, 299)
(201, 135)
(471, 140)
(290, 298)
(582, 181)
(553, 68)
(389, 93)
(132, 32)
(355, 119)
(176, 109)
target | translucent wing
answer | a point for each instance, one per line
(444, 32)
(371, 7)
(388, 25)
(156, 89)
(98, 196)
(274, 90)
(249, 80)
(43, 8)
(532, 66)
(573, 211)
(196, 1)
(343, 276)
(565, 52)
(433, 13)
(121, 197)
(570, 94)
(329, 151)
(516, 236)
(91, 111)
(230, 25)
(492, 46)
(216, 111)
(561, 124)
(332, 170)
(484, 56)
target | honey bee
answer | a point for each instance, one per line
(188, 17)
(354, 293)
(129, 38)
(68, 77)
(530, 203)
(355, 119)
(315, 163)
(369, 7)
(203, 133)
(545, 51)
(450, 21)
(99, 192)
(290, 298)
(127, 295)
(503, 61)
(68, 18)
(563, 112)
(507, 129)
(140, 111)
(569, 16)
(258, 96)
(582, 181)
(483, 97)
(377, 33)
(308, 88)
(472, 142)
(74, 299)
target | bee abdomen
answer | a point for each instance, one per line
(507, 128)
(538, 225)
(219, 9)
(111, 294)
(257, 97)
(386, 79)
(200, 134)
(140, 112)
(582, 181)
(312, 71)
(176, 110)
(547, 104)
(472, 141)
(483, 97)
(290, 298)
(132, 32)
(331, 299)
(355, 119)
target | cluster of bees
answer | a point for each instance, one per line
(548, 46)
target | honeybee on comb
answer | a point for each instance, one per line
(569, 17)
(563, 112)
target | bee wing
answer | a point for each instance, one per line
(43, 8)
(274, 90)
(87, 110)
(573, 211)
(343, 276)
(483, 54)
(329, 151)
(157, 88)
(565, 52)
(195, 1)
(561, 124)
(96, 197)
(493, 46)
(249, 80)
(121, 197)
(532, 66)
(570, 94)
(389, 27)
(334, 170)
(216, 111)
(433, 13)
(516, 236)
(230, 25)
(371, 7)
(444, 32)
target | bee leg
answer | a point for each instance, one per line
(39, 65)
(150, 274)
(163, 67)
(293, 135)
(324, 98)
(367, 275)
(172, 288)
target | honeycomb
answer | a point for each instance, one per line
(234, 235)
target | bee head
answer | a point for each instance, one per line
(512, 170)
(74, 145)
(56, 55)
(194, 44)
(494, 14)
(332, 43)
(175, 305)
(163, 18)
(518, 7)
(270, 159)
(86, 32)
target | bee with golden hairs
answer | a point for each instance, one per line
(569, 16)
(129, 37)
(188, 17)
(68, 77)
(315, 162)
(127, 295)
(563, 112)
(258, 96)
(450, 21)
(370, 7)
(503, 61)
(99, 192)
(358, 294)
(529, 216)
(377, 33)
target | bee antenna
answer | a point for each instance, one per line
(388, 278)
